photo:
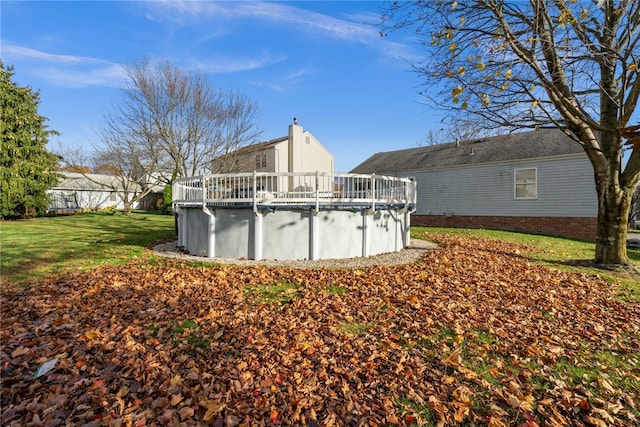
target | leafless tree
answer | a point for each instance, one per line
(73, 159)
(541, 63)
(137, 164)
(182, 118)
(465, 132)
(133, 171)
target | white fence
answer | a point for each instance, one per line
(315, 189)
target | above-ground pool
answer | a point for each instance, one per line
(293, 216)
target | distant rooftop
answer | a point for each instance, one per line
(90, 182)
(259, 146)
(514, 146)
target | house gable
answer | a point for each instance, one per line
(306, 153)
(299, 151)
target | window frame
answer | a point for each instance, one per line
(515, 183)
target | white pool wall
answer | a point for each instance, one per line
(291, 233)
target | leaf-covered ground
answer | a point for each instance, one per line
(475, 334)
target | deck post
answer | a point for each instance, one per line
(211, 231)
(212, 236)
(366, 225)
(183, 218)
(317, 193)
(257, 236)
(373, 192)
(407, 228)
(314, 241)
(178, 223)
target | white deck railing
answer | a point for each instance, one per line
(273, 189)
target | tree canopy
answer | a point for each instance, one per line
(177, 121)
(28, 169)
(571, 65)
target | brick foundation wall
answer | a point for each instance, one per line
(573, 228)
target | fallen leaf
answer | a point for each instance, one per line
(185, 413)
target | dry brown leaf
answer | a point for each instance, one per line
(121, 360)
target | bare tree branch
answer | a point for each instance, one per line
(572, 65)
(178, 114)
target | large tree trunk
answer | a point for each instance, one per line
(613, 209)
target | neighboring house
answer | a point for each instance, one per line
(299, 151)
(77, 191)
(537, 182)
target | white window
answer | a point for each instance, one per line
(526, 183)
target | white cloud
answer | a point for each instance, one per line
(21, 52)
(296, 74)
(103, 76)
(63, 70)
(275, 87)
(285, 82)
(357, 29)
(84, 71)
(225, 64)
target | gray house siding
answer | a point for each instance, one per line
(472, 183)
(565, 188)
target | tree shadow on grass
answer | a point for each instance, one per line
(141, 232)
(629, 271)
(94, 237)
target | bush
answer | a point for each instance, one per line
(167, 196)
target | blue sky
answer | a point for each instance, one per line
(320, 61)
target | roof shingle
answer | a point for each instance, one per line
(514, 146)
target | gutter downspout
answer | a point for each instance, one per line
(205, 209)
(257, 225)
(314, 249)
(411, 197)
(211, 224)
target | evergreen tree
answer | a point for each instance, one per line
(27, 169)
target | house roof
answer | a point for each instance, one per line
(89, 182)
(514, 146)
(261, 145)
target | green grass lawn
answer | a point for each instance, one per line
(35, 248)
(39, 247)
(557, 252)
